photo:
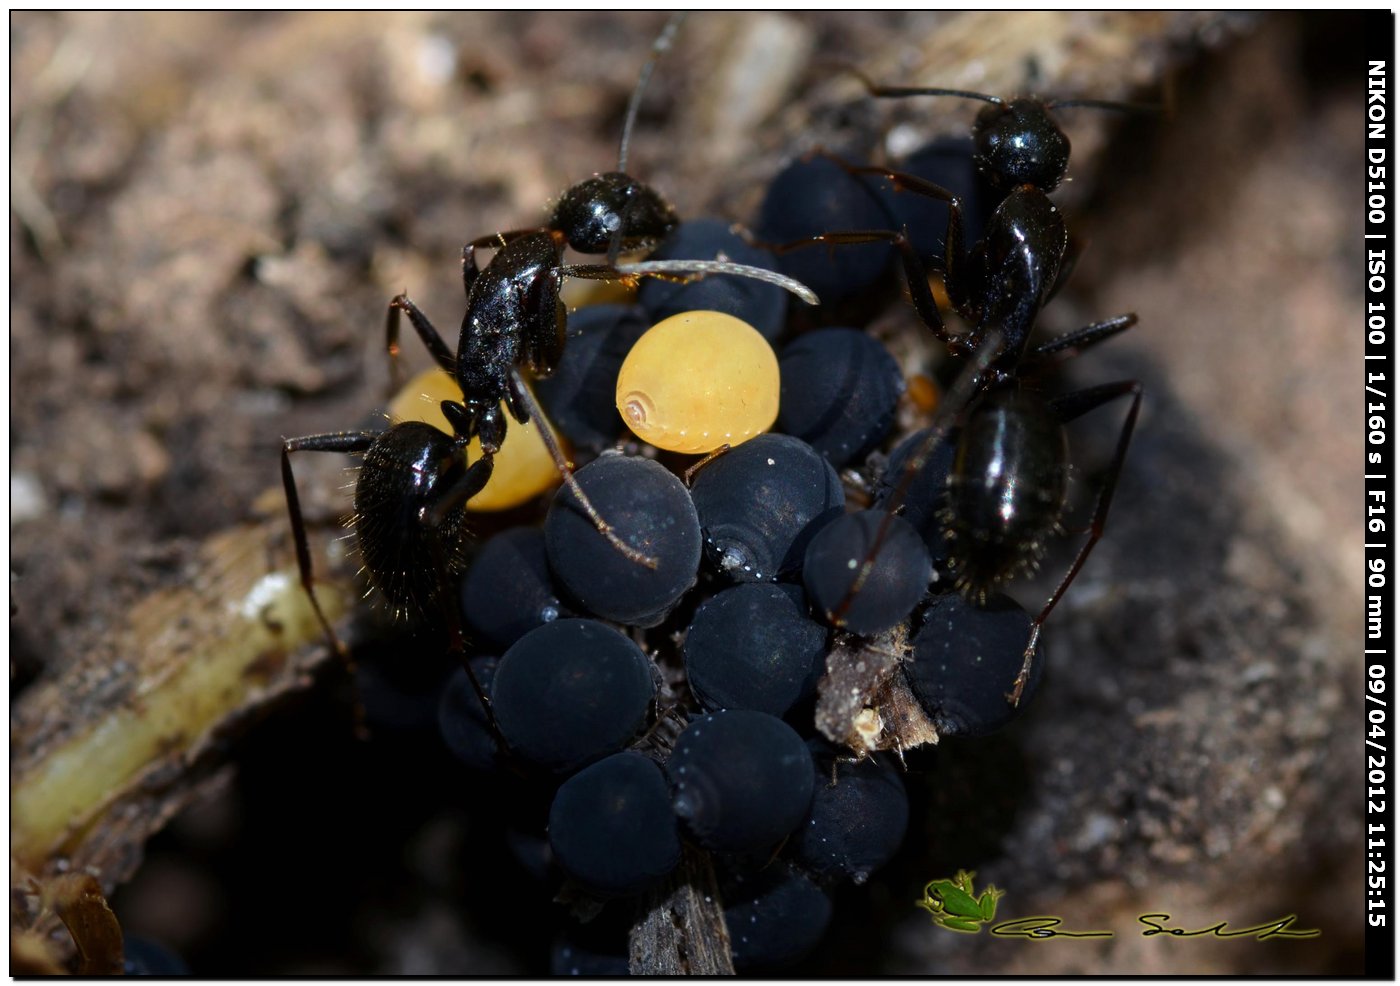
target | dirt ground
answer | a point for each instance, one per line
(209, 213)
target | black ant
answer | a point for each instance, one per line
(412, 491)
(515, 317)
(1007, 486)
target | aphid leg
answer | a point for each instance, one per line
(709, 457)
(345, 441)
(442, 354)
(534, 412)
(1067, 408)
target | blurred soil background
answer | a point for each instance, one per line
(209, 213)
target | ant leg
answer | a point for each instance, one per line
(345, 441)
(968, 383)
(1073, 251)
(915, 274)
(1074, 343)
(442, 355)
(955, 276)
(534, 412)
(1068, 408)
(432, 516)
(342, 441)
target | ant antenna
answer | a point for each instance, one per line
(702, 267)
(659, 47)
(1103, 104)
(875, 89)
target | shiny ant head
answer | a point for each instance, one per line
(613, 208)
(614, 213)
(1016, 142)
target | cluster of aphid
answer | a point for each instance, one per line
(718, 658)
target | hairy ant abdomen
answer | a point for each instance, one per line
(401, 481)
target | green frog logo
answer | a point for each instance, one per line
(954, 904)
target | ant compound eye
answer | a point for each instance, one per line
(697, 381)
(523, 469)
(612, 829)
(570, 692)
(775, 917)
(965, 658)
(761, 503)
(899, 572)
(508, 590)
(646, 507)
(753, 647)
(740, 810)
(764, 306)
(840, 388)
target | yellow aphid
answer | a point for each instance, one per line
(524, 468)
(697, 381)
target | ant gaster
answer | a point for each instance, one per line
(1008, 482)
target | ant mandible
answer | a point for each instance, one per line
(1007, 486)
